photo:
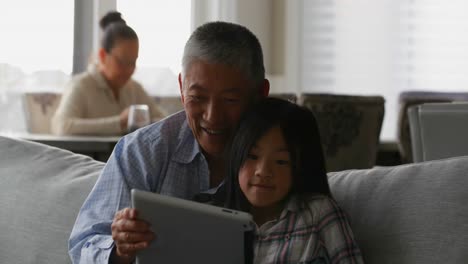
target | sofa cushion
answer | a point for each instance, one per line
(41, 191)
(409, 213)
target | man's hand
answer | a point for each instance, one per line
(130, 234)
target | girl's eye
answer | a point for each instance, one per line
(232, 100)
(252, 156)
(282, 162)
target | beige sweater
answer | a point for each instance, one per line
(88, 107)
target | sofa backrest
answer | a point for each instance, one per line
(403, 214)
(413, 213)
(41, 191)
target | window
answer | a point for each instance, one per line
(435, 45)
(36, 53)
(348, 47)
(37, 35)
(163, 27)
(384, 47)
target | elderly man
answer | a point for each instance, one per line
(222, 74)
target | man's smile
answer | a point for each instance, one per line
(214, 131)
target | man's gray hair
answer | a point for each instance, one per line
(229, 44)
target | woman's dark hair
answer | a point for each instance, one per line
(301, 133)
(114, 28)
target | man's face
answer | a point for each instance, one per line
(214, 97)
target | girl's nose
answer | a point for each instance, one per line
(263, 169)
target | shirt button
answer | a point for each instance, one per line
(287, 237)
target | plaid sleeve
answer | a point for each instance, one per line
(336, 234)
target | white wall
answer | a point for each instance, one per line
(265, 18)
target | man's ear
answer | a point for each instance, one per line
(265, 89)
(181, 88)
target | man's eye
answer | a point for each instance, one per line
(282, 162)
(195, 98)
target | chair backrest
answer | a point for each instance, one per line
(291, 97)
(169, 104)
(349, 128)
(411, 98)
(39, 107)
(438, 130)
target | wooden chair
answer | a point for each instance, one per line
(412, 98)
(349, 128)
(39, 107)
(438, 130)
(291, 97)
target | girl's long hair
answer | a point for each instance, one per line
(301, 133)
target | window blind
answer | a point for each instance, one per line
(384, 47)
(434, 44)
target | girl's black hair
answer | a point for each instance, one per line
(301, 133)
(114, 28)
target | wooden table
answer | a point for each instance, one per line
(100, 148)
(97, 147)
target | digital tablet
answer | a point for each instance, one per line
(192, 232)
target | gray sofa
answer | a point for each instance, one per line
(403, 214)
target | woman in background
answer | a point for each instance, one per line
(97, 101)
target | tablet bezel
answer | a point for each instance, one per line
(192, 232)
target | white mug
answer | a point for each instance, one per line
(138, 116)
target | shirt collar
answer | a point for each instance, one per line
(212, 196)
(188, 147)
(293, 205)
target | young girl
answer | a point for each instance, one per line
(276, 172)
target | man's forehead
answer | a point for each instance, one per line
(195, 87)
(200, 69)
(203, 76)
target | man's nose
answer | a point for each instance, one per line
(213, 112)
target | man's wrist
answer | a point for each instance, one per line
(115, 259)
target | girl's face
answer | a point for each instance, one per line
(265, 177)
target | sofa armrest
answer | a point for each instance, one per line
(413, 213)
(41, 191)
